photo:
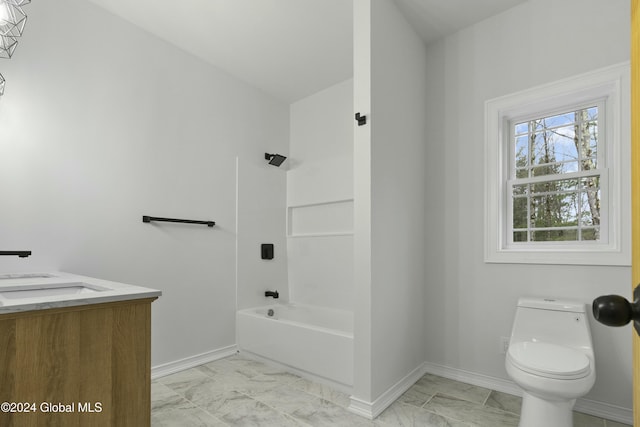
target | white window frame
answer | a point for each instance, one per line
(611, 84)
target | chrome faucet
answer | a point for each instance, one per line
(21, 254)
(273, 294)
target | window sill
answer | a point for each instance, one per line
(560, 256)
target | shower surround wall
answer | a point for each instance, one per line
(320, 199)
(304, 335)
(260, 219)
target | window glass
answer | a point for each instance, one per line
(555, 182)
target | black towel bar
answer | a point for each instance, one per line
(146, 218)
(21, 254)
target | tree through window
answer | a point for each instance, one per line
(555, 181)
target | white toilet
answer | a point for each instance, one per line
(550, 357)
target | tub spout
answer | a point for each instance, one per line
(273, 294)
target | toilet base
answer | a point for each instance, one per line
(537, 412)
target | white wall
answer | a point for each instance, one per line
(102, 123)
(362, 152)
(261, 219)
(390, 209)
(469, 305)
(320, 198)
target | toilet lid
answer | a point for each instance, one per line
(549, 360)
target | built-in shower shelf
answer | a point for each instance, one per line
(346, 233)
(323, 219)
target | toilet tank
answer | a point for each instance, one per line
(554, 321)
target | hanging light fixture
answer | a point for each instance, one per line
(7, 46)
(12, 17)
(12, 21)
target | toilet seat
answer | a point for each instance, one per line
(549, 360)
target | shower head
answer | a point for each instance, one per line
(274, 159)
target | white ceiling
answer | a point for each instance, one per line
(288, 48)
(434, 19)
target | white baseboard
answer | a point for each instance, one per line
(192, 361)
(605, 410)
(371, 410)
(587, 406)
(361, 407)
(497, 384)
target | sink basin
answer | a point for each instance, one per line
(38, 291)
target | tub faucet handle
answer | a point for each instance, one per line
(273, 294)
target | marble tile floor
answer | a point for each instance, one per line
(237, 391)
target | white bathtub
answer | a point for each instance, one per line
(313, 340)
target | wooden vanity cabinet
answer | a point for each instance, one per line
(81, 366)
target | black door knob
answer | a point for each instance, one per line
(614, 310)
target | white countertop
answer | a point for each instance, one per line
(13, 297)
